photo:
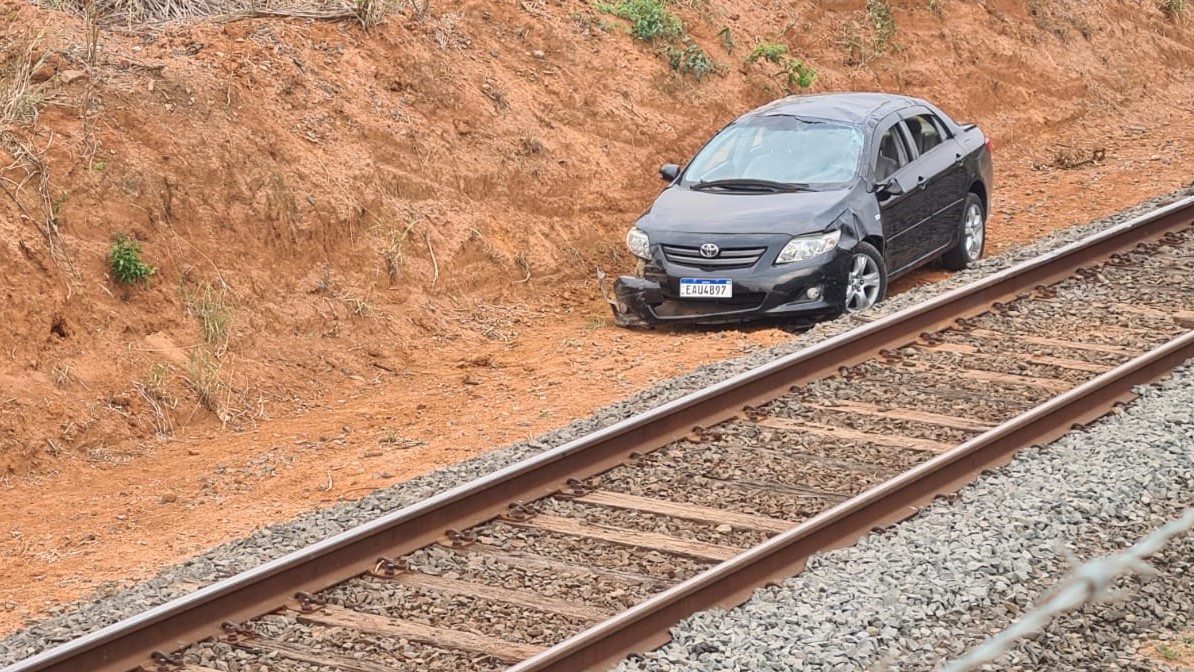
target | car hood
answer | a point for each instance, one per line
(679, 209)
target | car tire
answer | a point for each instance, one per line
(866, 279)
(972, 232)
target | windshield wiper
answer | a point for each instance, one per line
(744, 184)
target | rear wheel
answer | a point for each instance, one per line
(971, 236)
(866, 279)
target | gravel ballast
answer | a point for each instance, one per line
(927, 590)
(108, 606)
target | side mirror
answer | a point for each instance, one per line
(668, 172)
(890, 187)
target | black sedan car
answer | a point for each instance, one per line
(806, 208)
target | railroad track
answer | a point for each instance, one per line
(575, 557)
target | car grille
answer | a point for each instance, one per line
(732, 257)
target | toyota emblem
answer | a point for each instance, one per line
(709, 250)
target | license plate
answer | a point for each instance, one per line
(706, 288)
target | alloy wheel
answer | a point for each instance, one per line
(973, 231)
(863, 283)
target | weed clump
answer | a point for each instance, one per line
(649, 20)
(124, 259)
(768, 51)
(691, 60)
(793, 72)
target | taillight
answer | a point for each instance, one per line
(990, 147)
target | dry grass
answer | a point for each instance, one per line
(20, 97)
(391, 251)
(209, 303)
(140, 12)
(202, 374)
(153, 390)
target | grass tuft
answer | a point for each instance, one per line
(211, 306)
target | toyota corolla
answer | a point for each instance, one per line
(806, 208)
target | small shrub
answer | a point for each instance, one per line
(768, 51)
(1174, 8)
(692, 60)
(798, 74)
(125, 261)
(649, 20)
(793, 71)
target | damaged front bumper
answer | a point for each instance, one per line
(630, 299)
(642, 302)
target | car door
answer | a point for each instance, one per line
(904, 213)
(940, 171)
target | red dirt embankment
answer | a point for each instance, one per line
(374, 249)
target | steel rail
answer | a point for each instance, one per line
(730, 582)
(126, 644)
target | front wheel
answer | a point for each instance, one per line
(866, 281)
(971, 236)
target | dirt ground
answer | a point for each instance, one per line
(1177, 654)
(374, 249)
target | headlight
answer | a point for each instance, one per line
(639, 244)
(803, 248)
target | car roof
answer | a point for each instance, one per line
(852, 107)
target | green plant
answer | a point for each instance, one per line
(879, 13)
(792, 71)
(798, 74)
(1174, 8)
(96, 166)
(768, 51)
(124, 259)
(692, 60)
(1168, 652)
(727, 42)
(649, 20)
(56, 207)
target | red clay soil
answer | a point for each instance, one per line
(374, 250)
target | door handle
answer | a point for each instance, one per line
(920, 181)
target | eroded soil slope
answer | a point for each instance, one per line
(374, 249)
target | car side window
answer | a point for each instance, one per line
(924, 131)
(891, 156)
